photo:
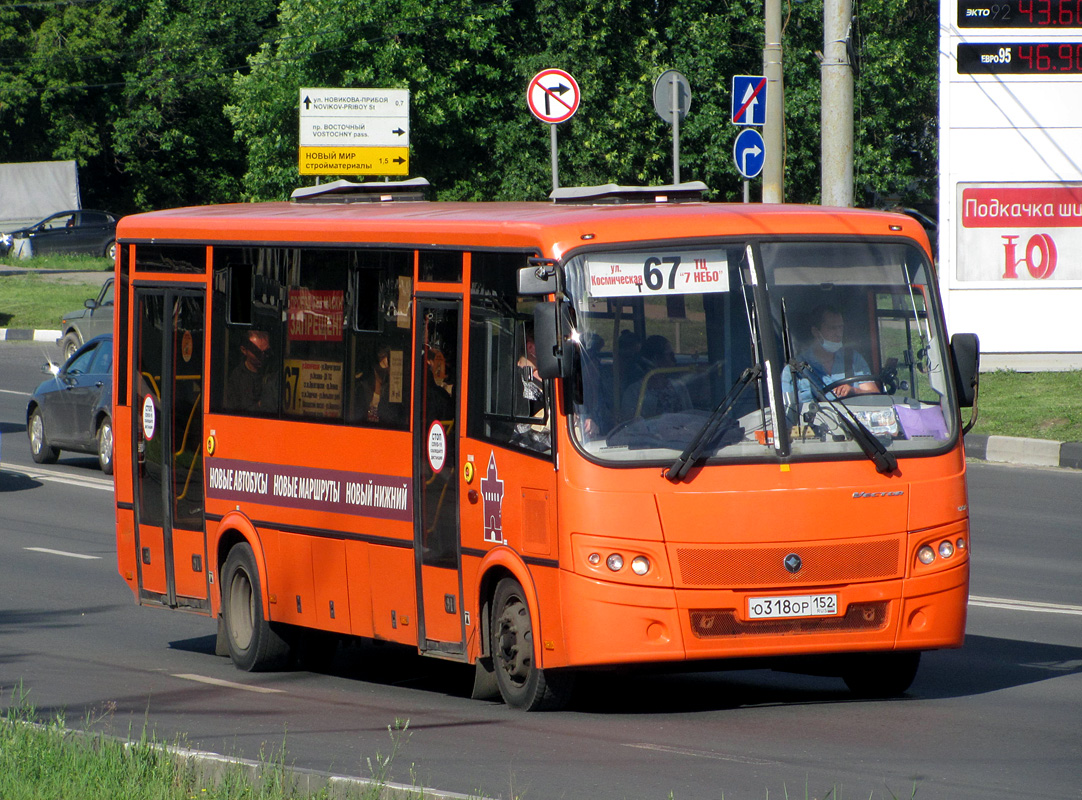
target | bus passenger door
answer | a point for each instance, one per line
(437, 428)
(167, 436)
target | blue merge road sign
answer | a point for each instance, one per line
(749, 99)
(749, 153)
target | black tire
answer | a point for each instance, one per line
(254, 645)
(522, 684)
(40, 449)
(69, 344)
(105, 445)
(881, 675)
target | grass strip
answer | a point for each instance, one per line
(30, 301)
(1037, 405)
(75, 262)
(46, 761)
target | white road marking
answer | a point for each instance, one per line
(1024, 605)
(64, 553)
(87, 482)
(228, 684)
(12, 391)
(683, 751)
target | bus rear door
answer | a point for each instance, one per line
(167, 421)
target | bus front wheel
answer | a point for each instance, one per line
(881, 675)
(253, 644)
(522, 684)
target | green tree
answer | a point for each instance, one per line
(169, 102)
(58, 81)
(172, 138)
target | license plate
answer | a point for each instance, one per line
(804, 605)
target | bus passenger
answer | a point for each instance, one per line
(537, 435)
(596, 411)
(657, 392)
(374, 391)
(253, 384)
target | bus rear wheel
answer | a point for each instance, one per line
(522, 684)
(254, 645)
(881, 675)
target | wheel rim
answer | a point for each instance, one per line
(37, 433)
(241, 610)
(105, 445)
(514, 639)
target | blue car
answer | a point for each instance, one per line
(72, 408)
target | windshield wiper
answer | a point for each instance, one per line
(706, 433)
(884, 461)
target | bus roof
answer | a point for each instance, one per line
(550, 229)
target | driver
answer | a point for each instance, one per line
(829, 360)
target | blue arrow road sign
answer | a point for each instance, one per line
(749, 152)
(749, 99)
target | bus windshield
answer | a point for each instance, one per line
(791, 348)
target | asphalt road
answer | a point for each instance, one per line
(1001, 717)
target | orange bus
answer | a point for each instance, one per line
(624, 427)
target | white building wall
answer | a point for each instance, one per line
(1013, 145)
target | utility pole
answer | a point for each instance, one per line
(774, 129)
(837, 108)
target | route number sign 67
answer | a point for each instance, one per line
(640, 274)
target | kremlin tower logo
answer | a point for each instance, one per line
(492, 494)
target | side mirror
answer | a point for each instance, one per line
(537, 279)
(966, 364)
(91, 304)
(966, 357)
(551, 325)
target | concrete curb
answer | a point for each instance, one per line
(1026, 452)
(27, 335)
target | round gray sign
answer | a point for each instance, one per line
(663, 95)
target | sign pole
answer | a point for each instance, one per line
(555, 160)
(747, 191)
(676, 128)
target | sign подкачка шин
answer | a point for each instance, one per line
(354, 132)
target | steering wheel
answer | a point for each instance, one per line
(853, 380)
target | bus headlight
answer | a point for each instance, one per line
(615, 562)
(926, 555)
(946, 549)
(640, 565)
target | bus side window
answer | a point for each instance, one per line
(509, 404)
(313, 364)
(246, 331)
(380, 340)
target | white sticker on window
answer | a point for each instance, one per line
(664, 272)
(149, 418)
(437, 446)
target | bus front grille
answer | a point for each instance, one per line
(711, 623)
(749, 567)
